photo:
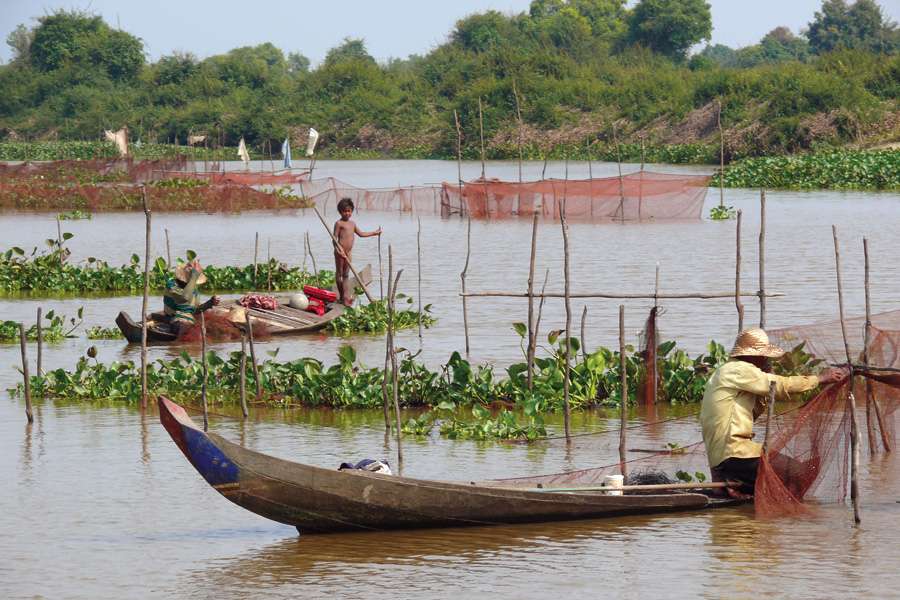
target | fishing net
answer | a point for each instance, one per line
(643, 196)
(95, 171)
(219, 328)
(636, 197)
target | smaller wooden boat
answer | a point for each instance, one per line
(314, 499)
(156, 330)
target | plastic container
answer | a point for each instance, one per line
(614, 481)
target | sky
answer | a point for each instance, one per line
(391, 28)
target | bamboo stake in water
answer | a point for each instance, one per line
(532, 336)
(762, 259)
(568, 303)
(583, 341)
(312, 258)
(419, 271)
(654, 370)
(389, 344)
(721, 156)
(737, 276)
(481, 130)
(59, 241)
(244, 409)
(623, 410)
(269, 265)
(540, 311)
(205, 370)
(621, 181)
(29, 414)
(168, 251)
(458, 153)
(40, 343)
(253, 357)
(380, 271)
(146, 299)
(392, 353)
(519, 121)
(255, 261)
(854, 428)
(770, 409)
(462, 277)
(870, 398)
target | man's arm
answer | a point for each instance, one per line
(752, 379)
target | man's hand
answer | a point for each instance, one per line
(834, 375)
(378, 231)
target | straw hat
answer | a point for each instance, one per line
(755, 342)
(183, 271)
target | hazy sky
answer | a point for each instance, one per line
(391, 28)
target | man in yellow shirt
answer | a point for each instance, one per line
(736, 394)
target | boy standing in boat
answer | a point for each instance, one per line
(736, 394)
(344, 230)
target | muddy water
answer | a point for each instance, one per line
(100, 503)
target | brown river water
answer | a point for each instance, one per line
(99, 503)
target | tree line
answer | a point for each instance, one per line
(570, 67)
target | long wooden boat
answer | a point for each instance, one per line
(319, 500)
(132, 330)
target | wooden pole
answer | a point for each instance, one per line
(762, 259)
(255, 261)
(269, 265)
(419, 273)
(540, 312)
(462, 277)
(458, 153)
(40, 343)
(737, 276)
(519, 119)
(340, 249)
(532, 335)
(59, 242)
(29, 414)
(146, 299)
(168, 250)
(721, 155)
(770, 410)
(244, 409)
(205, 371)
(389, 344)
(566, 375)
(481, 130)
(253, 362)
(654, 370)
(312, 258)
(583, 339)
(623, 412)
(871, 401)
(621, 181)
(380, 271)
(851, 401)
(393, 354)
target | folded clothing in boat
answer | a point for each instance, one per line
(319, 293)
(315, 306)
(368, 464)
(259, 301)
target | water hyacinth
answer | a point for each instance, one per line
(838, 170)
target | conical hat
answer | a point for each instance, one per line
(755, 342)
(183, 272)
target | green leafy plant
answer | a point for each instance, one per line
(722, 213)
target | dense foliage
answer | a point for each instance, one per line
(874, 170)
(575, 66)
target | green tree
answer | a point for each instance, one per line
(19, 40)
(480, 32)
(670, 27)
(297, 63)
(350, 50)
(860, 26)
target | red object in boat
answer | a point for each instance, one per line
(319, 294)
(259, 301)
(316, 306)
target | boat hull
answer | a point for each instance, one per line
(319, 500)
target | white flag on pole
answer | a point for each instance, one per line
(242, 152)
(311, 142)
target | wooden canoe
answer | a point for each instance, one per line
(286, 320)
(319, 500)
(132, 330)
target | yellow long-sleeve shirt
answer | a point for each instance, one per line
(726, 414)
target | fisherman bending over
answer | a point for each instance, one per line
(182, 300)
(736, 394)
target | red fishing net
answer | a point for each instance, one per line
(219, 328)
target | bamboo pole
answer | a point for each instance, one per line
(255, 261)
(340, 249)
(253, 362)
(762, 259)
(419, 273)
(269, 265)
(146, 298)
(583, 342)
(389, 344)
(168, 251)
(737, 275)
(623, 412)
(59, 241)
(621, 181)
(244, 409)
(312, 258)
(458, 153)
(40, 343)
(871, 401)
(620, 296)
(519, 120)
(29, 414)
(462, 277)
(854, 428)
(393, 354)
(540, 312)
(721, 155)
(380, 272)
(481, 130)
(565, 233)
(655, 367)
(532, 335)
(205, 370)
(770, 410)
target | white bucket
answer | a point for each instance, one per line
(614, 481)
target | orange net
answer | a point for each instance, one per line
(642, 196)
(219, 328)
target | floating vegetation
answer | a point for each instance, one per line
(838, 169)
(81, 150)
(74, 215)
(99, 332)
(722, 213)
(54, 329)
(372, 318)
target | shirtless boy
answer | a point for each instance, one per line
(344, 230)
